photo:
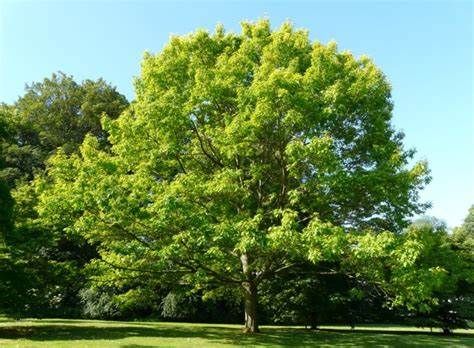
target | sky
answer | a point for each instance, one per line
(425, 48)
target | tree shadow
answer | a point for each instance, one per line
(394, 332)
(224, 335)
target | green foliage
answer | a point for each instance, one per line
(98, 304)
(176, 306)
(42, 264)
(456, 306)
(62, 111)
(57, 112)
(422, 273)
(463, 236)
(181, 305)
(411, 267)
(6, 201)
(6, 210)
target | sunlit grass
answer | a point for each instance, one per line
(95, 333)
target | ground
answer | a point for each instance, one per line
(93, 333)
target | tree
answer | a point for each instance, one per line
(456, 307)
(43, 267)
(6, 212)
(241, 156)
(463, 236)
(62, 111)
(6, 202)
(57, 112)
(421, 272)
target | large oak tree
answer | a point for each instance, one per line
(242, 155)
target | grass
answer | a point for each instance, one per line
(94, 333)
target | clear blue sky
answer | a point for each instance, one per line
(425, 49)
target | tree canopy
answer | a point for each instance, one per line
(57, 112)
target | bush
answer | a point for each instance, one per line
(98, 303)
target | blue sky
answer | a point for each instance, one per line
(424, 48)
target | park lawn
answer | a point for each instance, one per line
(94, 333)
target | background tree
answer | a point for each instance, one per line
(7, 276)
(242, 156)
(6, 202)
(421, 272)
(311, 297)
(456, 308)
(451, 280)
(57, 112)
(463, 236)
(44, 266)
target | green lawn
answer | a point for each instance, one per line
(93, 333)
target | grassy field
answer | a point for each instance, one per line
(93, 333)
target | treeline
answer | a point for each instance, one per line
(254, 173)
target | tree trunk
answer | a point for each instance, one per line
(250, 297)
(447, 331)
(250, 293)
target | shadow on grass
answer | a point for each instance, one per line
(394, 332)
(291, 337)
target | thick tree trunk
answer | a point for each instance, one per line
(250, 297)
(251, 300)
(447, 331)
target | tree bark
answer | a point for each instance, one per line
(250, 297)
(447, 331)
(251, 301)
